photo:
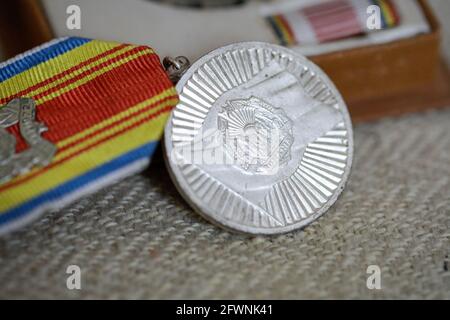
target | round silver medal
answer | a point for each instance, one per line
(261, 141)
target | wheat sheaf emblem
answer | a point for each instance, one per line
(242, 119)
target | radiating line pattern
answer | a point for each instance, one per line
(290, 201)
(315, 180)
(225, 201)
(230, 70)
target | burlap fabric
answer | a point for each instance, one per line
(139, 239)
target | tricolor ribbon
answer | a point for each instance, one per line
(330, 20)
(104, 105)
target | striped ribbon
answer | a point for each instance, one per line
(105, 105)
(331, 20)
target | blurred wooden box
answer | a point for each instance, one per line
(379, 80)
(392, 78)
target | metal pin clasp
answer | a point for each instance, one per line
(176, 67)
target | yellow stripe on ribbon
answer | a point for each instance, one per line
(103, 134)
(92, 76)
(84, 162)
(99, 126)
(387, 13)
(118, 117)
(55, 66)
(79, 71)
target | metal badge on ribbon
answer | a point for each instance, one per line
(40, 151)
(76, 115)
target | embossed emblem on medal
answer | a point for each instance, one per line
(261, 140)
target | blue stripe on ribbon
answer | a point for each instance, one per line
(29, 61)
(382, 15)
(277, 30)
(79, 182)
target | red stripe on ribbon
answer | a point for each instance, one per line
(333, 20)
(62, 74)
(25, 178)
(94, 101)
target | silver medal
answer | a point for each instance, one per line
(261, 141)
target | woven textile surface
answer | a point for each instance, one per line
(139, 239)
